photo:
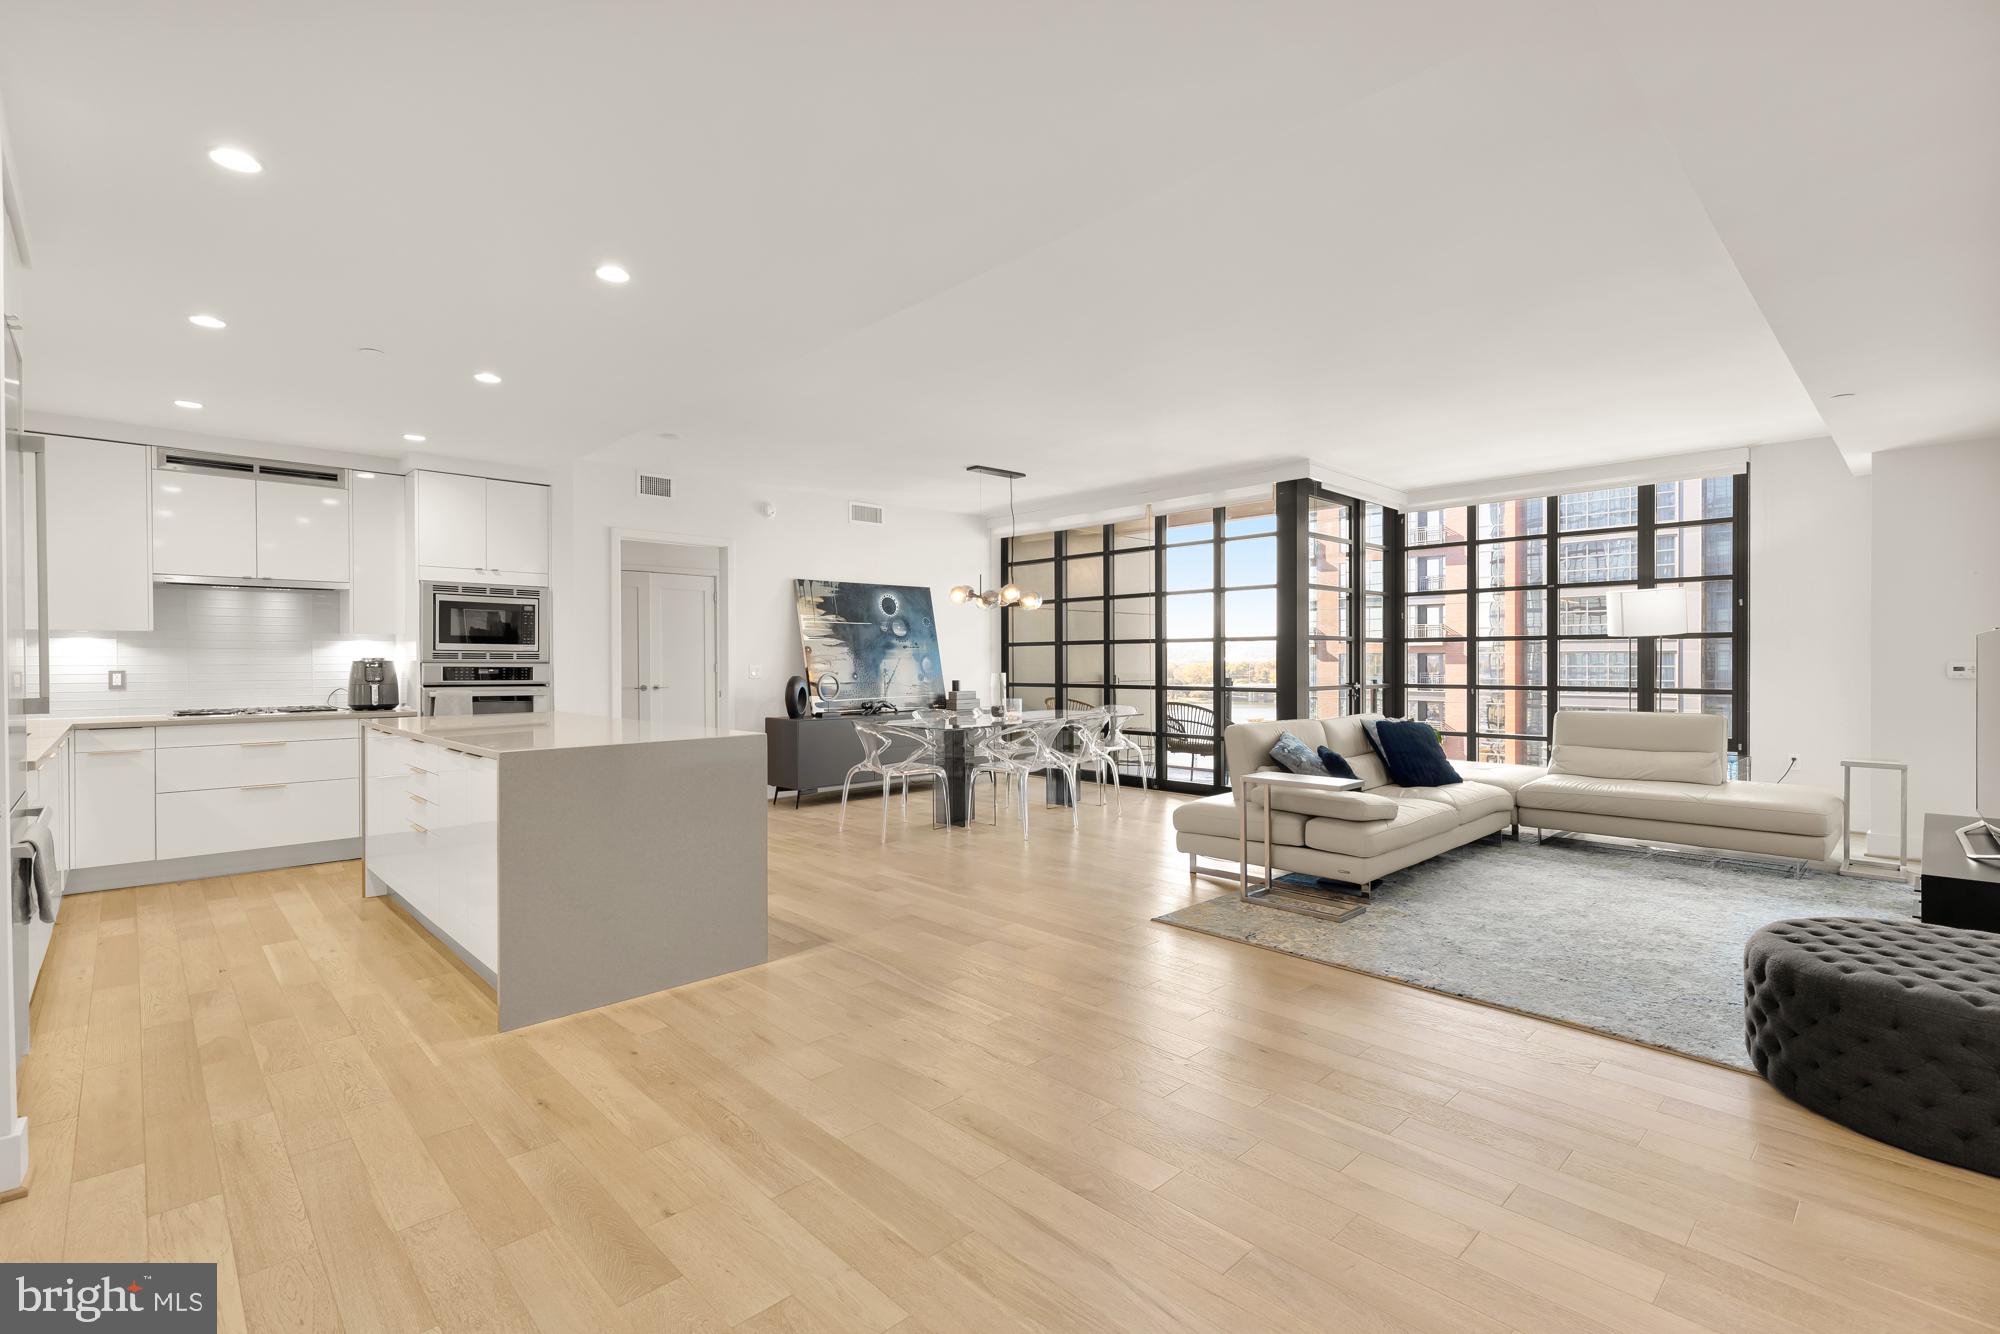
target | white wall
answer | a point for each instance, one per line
(1936, 586)
(809, 538)
(1811, 586)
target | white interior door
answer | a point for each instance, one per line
(668, 642)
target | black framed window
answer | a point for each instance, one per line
(1506, 611)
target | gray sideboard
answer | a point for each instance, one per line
(804, 755)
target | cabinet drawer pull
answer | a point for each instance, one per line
(419, 828)
(129, 750)
(260, 787)
(414, 797)
(415, 770)
(247, 744)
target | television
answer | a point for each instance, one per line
(1986, 727)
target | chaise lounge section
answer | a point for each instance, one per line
(1663, 778)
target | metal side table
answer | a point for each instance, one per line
(1333, 905)
(1876, 868)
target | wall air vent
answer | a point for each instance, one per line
(232, 465)
(860, 511)
(652, 484)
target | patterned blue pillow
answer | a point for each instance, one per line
(1336, 764)
(1295, 756)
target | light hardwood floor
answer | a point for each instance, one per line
(976, 1089)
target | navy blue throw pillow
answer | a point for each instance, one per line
(1411, 753)
(1336, 763)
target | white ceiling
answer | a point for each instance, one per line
(1414, 242)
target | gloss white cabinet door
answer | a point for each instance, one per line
(451, 523)
(204, 526)
(99, 534)
(112, 785)
(517, 532)
(302, 532)
(378, 602)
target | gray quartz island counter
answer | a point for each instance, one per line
(572, 860)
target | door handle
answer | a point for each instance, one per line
(129, 750)
(248, 744)
(260, 787)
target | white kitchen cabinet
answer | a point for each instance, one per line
(204, 526)
(193, 768)
(481, 530)
(517, 532)
(451, 523)
(301, 532)
(112, 785)
(379, 601)
(259, 815)
(99, 542)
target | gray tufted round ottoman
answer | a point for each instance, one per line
(1891, 1028)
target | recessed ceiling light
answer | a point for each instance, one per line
(366, 476)
(235, 159)
(486, 377)
(613, 273)
(207, 322)
(414, 438)
(187, 403)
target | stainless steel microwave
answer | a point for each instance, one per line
(482, 621)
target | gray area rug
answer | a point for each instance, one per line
(1638, 944)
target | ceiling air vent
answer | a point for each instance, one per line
(652, 484)
(860, 511)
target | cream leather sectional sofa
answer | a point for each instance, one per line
(1659, 777)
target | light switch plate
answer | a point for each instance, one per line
(1962, 671)
(756, 672)
(115, 679)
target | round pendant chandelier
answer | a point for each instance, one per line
(1008, 594)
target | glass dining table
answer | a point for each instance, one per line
(955, 737)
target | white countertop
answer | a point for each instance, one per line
(45, 734)
(495, 735)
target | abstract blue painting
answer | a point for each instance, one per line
(869, 642)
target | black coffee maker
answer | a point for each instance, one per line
(371, 684)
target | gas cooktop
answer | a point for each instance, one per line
(264, 708)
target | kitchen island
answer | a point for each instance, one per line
(571, 860)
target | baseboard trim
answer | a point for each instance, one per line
(88, 879)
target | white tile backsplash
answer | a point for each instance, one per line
(211, 648)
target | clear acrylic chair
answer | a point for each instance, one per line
(876, 739)
(1117, 743)
(1013, 752)
(1051, 754)
(1097, 732)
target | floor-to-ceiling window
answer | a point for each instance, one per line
(1173, 614)
(1507, 611)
